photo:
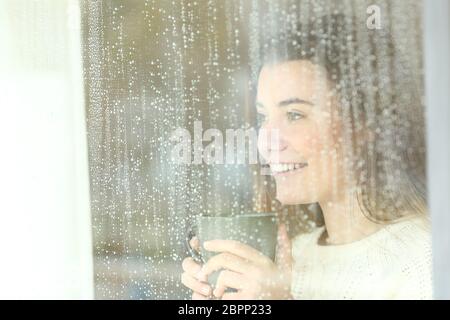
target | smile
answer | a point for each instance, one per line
(285, 168)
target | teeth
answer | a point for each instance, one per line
(284, 167)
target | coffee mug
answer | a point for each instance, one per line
(258, 230)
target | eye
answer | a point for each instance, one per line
(295, 115)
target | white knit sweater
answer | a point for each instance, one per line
(393, 263)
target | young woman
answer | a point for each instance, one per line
(351, 139)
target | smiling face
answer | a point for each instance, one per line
(294, 99)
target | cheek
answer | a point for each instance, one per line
(316, 145)
(307, 141)
(322, 141)
(324, 162)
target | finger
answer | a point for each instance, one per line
(226, 261)
(195, 243)
(190, 266)
(284, 248)
(233, 296)
(237, 248)
(198, 296)
(228, 279)
(195, 285)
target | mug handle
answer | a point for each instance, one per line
(191, 232)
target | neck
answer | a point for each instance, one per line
(345, 222)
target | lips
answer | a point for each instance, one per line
(281, 168)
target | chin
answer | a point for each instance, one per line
(289, 197)
(293, 190)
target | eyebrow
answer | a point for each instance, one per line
(289, 101)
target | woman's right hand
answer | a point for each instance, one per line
(190, 278)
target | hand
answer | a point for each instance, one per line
(190, 278)
(247, 270)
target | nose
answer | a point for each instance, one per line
(275, 141)
(271, 142)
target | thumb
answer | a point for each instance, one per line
(284, 249)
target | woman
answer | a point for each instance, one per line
(351, 139)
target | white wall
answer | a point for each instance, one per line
(45, 235)
(437, 76)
